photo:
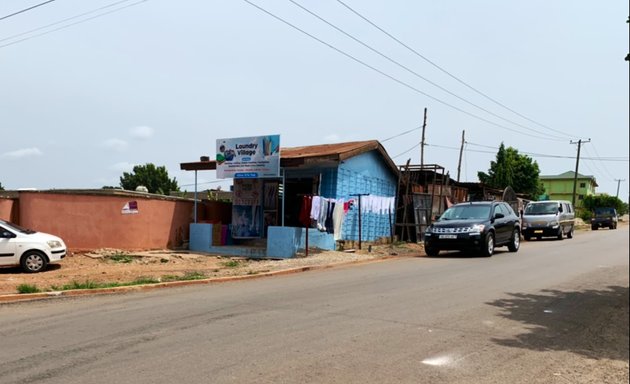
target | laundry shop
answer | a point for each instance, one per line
(286, 201)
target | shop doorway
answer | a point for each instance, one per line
(294, 191)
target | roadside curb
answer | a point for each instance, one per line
(24, 297)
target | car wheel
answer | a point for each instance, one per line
(33, 262)
(430, 251)
(594, 227)
(560, 234)
(527, 237)
(488, 245)
(570, 233)
(515, 242)
(615, 226)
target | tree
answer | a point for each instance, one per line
(1, 187)
(515, 170)
(604, 200)
(154, 178)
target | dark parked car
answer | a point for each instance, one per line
(477, 226)
(604, 217)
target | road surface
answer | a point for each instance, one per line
(554, 312)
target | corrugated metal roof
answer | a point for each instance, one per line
(296, 156)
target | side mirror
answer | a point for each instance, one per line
(499, 215)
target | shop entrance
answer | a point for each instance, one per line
(294, 191)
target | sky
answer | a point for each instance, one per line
(88, 89)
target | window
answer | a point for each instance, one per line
(580, 197)
(582, 185)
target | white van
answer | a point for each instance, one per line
(31, 250)
(550, 218)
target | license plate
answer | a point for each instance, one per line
(538, 231)
(448, 236)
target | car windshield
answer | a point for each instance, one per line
(541, 209)
(466, 212)
(604, 212)
(16, 227)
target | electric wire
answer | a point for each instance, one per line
(26, 9)
(73, 24)
(448, 73)
(390, 76)
(400, 134)
(602, 164)
(416, 73)
(64, 20)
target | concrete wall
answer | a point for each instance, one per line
(9, 209)
(285, 242)
(366, 173)
(89, 221)
(562, 189)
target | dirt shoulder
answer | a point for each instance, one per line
(112, 266)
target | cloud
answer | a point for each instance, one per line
(142, 132)
(22, 153)
(122, 167)
(115, 144)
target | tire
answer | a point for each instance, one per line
(527, 237)
(570, 233)
(560, 234)
(515, 241)
(488, 245)
(33, 262)
(594, 227)
(430, 251)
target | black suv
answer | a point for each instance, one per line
(604, 217)
(478, 226)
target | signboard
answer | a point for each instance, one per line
(246, 208)
(248, 157)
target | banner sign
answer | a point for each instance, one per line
(248, 157)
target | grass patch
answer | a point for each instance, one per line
(194, 275)
(231, 264)
(88, 284)
(28, 288)
(121, 258)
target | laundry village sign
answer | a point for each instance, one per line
(248, 157)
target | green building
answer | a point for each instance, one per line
(560, 187)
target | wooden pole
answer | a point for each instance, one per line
(424, 126)
(461, 151)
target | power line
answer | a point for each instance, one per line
(26, 9)
(64, 20)
(73, 24)
(446, 72)
(400, 134)
(414, 72)
(390, 76)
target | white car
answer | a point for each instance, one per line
(31, 250)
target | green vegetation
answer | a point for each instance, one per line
(591, 202)
(121, 258)
(155, 179)
(28, 288)
(88, 284)
(231, 264)
(515, 170)
(193, 275)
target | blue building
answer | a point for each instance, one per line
(358, 172)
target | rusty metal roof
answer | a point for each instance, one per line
(313, 154)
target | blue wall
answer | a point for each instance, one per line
(364, 173)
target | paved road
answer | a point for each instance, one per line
(555, 312)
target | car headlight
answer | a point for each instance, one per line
(553, 224)
(54, 243)
(477, 228)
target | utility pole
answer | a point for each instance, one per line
(424, 126)
(461, 151)
(619, 181)
(577, 164)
